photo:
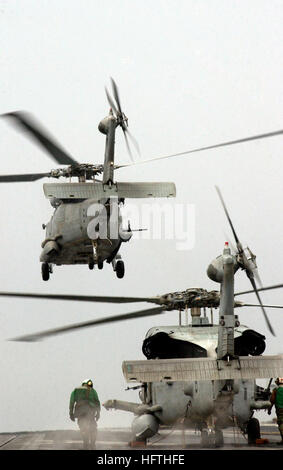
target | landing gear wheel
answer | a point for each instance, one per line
(120, 269)
(253, 431)
(100, 264)
(91, 265)
(45, 271)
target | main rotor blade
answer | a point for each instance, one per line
(82, 298)
(75, 326)
(257, 277)
(231, 142)
(25, 122)
(227, 215)
(25, 177)
(243, 304)
(276, 286)
(262, 307)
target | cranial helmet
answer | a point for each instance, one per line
(279, 381)
(88, 382)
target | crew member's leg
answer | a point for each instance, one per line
(93, 433)
(83, 423)
(279, 413)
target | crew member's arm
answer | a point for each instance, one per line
(272, 400)
(71, 405)
(97, 403)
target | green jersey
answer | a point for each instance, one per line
(84, 395)
(279, 397)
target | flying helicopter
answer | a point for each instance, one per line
(87, 226)
(202, 373)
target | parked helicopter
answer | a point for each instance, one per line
(87, 226)
(201, 373)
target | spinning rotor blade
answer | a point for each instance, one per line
(243, 304)
(26, 177)
(116, 95)
(262, 307)
(82, 298)
(228, 217)
(25, 122)
(75, 326)
(127, 143)
(111, 102)
(134, 141)
(257, 277)
(121, 118)
(277, 286)
(209, 147)
(245, 262)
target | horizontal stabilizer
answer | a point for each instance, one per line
(145, 190)
(78, 191)
(245, 367)
(99, 191)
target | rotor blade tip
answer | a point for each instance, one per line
(25, 339)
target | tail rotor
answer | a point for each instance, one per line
(121, 118)
(246, 260)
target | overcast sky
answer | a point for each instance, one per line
(190, 73)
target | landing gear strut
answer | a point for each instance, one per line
(253, 430)
(204, 440)
(219, 441)
(212, 438)
(46, 269)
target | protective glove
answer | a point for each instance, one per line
(269, 411)
(72, 416)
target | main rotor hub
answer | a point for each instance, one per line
(191, 298)
(84, 171)
(196, 312)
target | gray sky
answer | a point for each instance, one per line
(190, 73)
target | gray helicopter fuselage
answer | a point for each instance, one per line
(202, 375)
(196, 402)
(67, 239)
